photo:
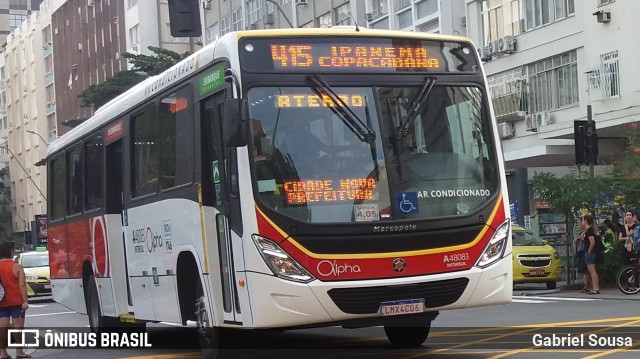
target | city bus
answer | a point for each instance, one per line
(281, 179)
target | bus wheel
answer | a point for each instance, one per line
(97, 322)
(405, 337)
(208, 335)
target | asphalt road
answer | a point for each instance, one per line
(491, 332)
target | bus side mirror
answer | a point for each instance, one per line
(234, 124)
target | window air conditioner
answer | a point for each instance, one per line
(531, 123)
(368, 16)
(493, 47)
(485, 55)
(301, 2)
(543, 119)
(507, 44)
(506, 130)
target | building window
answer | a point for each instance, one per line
(211, 34)
(134, 37)
(404, 19)
(324, 20)
(605, 2)
(543, 12)
(16, 20)
(254, 11)
(343, 14)
(426, 8)
(604, 82)
(553, 82)
(379, 7)
(382, 24)
(225, 25)
(17, 4)
(236, 20)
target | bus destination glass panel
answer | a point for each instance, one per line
(356, 55)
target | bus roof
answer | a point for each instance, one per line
(222, 47)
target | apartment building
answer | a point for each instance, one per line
(147, 24)
(223, 16)
(13, 13)
(435, 16)
(547, 61)
(88, 42)
(26, 107)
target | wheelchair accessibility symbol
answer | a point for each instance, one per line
(407, 202)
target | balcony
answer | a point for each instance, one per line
(51, 107)
(48, 79)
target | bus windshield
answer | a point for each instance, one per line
(381, 162)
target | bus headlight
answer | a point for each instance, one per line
(496, 246)
(279, 261)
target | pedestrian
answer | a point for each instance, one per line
(15, 302)
(625, 238)
(590, 256)
(581, 265)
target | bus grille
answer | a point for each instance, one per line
(366, 300)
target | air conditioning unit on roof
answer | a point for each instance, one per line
(485, 55)
(493, 47)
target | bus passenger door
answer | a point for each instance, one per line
(114, 208)
(216, 189)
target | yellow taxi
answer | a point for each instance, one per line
(534, 261)
(36, 270)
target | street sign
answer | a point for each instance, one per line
(216, 172)
(527, 222)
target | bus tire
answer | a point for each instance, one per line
(406, 337)
(213, 341)
(551, 285)
(99, 323)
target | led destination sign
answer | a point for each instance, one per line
(362, 54)
(327, 191)
(352, 56)
(305, 100)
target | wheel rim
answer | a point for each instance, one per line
(202, 319)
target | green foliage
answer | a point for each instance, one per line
(155, 64)
(625, 177)
(98, 95)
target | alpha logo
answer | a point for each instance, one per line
(399, 265)
(327, 268)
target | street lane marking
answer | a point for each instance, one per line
(538, 300)
(37, 305)
(45, 314)
(166, 356)
(557, 298)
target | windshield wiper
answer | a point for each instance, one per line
(348, 117)
(417, 105)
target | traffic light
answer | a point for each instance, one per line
(586, 142)
(184, 18)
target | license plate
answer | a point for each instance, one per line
(537, 273)
(401, 307)
(47, 286)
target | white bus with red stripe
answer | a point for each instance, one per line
(286, 179)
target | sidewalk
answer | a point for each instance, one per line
(574, 290)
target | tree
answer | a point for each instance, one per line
(143, 65)
(568, 196)
(99, 94)
(155, 64)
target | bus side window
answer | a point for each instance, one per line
(144, 154)
(57, 200)
(74, 181)
(93, 173)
